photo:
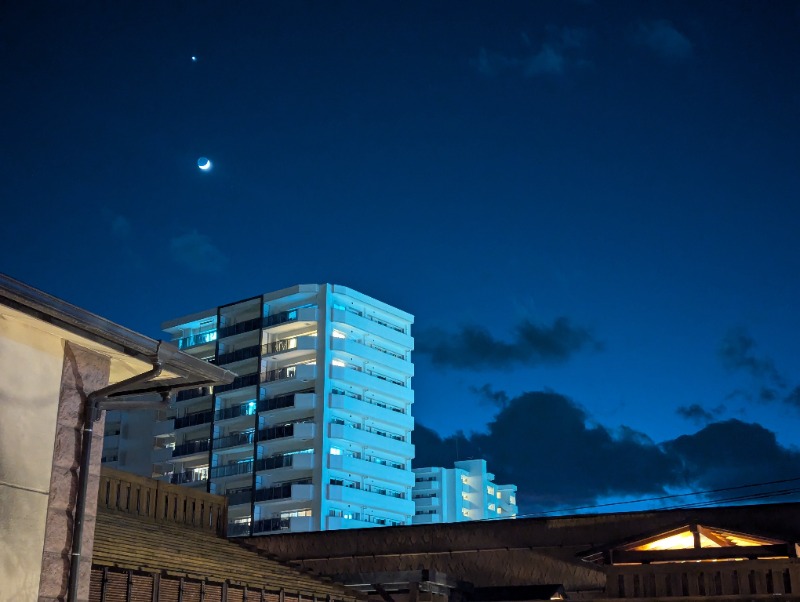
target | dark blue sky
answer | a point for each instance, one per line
(594, 199)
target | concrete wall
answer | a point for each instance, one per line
(44, 380)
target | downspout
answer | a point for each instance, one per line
(91, 415)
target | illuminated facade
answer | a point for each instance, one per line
(315, 433)
(465, 492)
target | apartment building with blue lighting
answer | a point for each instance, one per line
(315, 432)
(465, 492)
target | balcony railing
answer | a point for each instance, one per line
(279, 346)
(280, 318)
(240, 382)
(238, 529)
(278, 492)
(231, 470)
(196, 339)
(274, 462)
(246, 326)
(271, 524)
(243, 496)
(279, 374)
(187, 476)
(241, 410)
(237, 356)
(194, 419)
(233, 440)
(191, 394)
(276, 432)
(191, 447)
(276, 403)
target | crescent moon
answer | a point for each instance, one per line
(204, 163)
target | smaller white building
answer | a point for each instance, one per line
(465, 492)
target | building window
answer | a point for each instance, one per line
(335, 451)
(465, 512)
(490, 490)
(464, 479)
(492, 506)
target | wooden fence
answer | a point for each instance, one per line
(159, 501)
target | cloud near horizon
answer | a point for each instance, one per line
(474, 347)
(559, 457)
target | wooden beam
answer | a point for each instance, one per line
(717, 539)
(644, 557)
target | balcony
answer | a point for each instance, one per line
(427, 502)
(374, 410)
(427, 519)
(237, 356)
(370, 499)
(298, 431)
(231, 470)
(240, 328)
(294, 492)
(195, 340)
(240, 382)
(402, 448)
(374, 354)
(294, 401)
(191, 448)
(286, 321)
(245, 409)
(195, 419)
(294, 524)
(374, 382)
(288, 349)
(292, 461)
(234, 443)
(190, 394)
(163, 427)
(432, 485)
(374, 470)
(187, 477)
(373, 325)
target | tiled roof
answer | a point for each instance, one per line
(130, 542)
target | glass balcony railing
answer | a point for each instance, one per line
(271, 524)
(246, 409)
(274, 462)
(187, 476)
(194, 419)
(191, 394)
(278, 492)
(241, 327)
(240, 382)
(280, 318)
(279, 374)
(194, 340)
(231, 470)
(191, 447)
(237, 356)
(243, 496)
(276, 403)
(238, 529)
(276, 432)
(233, 440)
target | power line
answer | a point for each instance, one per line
(673, 496)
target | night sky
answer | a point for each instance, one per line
(591, 207)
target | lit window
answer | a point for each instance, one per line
(500, 510)
(498, 495)
(335, 451)
(464, 496)
(464, 479)
(338, 334)
(339, 363)
(464, 512)
(512, 499)
(490, 490)
(492, 506)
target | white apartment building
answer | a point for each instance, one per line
(315, 433)
(465, 492)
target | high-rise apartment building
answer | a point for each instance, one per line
(465, 492)
(315, 433)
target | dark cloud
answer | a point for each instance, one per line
(560, 50)
(474, 346)
(663, 39)
(490, 396)
(737, 352)
(698, 414)
(196, 252)
(730, 453)
(558, 457)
